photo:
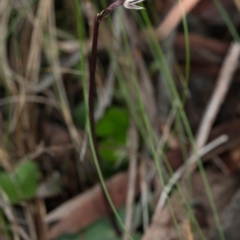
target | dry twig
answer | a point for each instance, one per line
(173, 18)
(179, 173)
(55, 63)
(224, 80)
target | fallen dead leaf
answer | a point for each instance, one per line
(89, 206)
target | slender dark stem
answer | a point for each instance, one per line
(92, 90)
(92, 84)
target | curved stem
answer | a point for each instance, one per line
(92, 90)
(92, 84)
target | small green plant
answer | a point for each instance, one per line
(22, 183)
(112, 133)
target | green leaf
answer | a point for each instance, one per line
(69, 237)
(101, 230)
(27, 176)
(21, 185)
(114, 124)
(8, 185)
(112, 129)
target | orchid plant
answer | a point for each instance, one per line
(129, 4)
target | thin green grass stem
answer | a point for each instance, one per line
(187, 55)
(227, 20)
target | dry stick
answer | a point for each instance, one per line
(53, 57)
(133, 139)
(8, 211)
(5, 71)
(30, 98)
(34, 58)
(174, 17)
(41, 150)
(22, 117)
(40, 214)
(178, 174)
(224, 80)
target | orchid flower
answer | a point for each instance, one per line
(132, 4)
